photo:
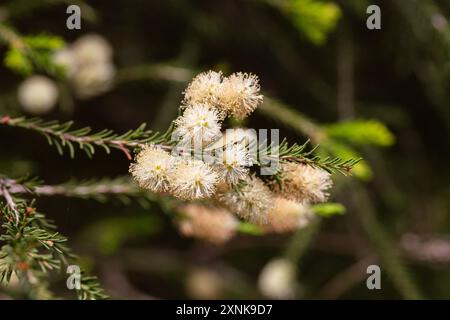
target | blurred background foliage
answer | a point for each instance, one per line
(378, 94)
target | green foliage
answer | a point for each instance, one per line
(61, 136)
(43, 42)
(328, 209)
(30, 54)
(90, 289)
(361, 170)
(297, 153)
(30, 242)
(249, 228)
(16, 60)
(362, 132)
(315, 19)
(31, 247)
(336, 140)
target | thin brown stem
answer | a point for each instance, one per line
(4, 187)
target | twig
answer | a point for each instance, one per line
(383, 245)
(346, 279)
(154, 72)
(4, 185)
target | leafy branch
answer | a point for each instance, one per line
(31, 247)
(121, 188)
(337, 140)
(62, 136)
(27, 54)
(297, 153)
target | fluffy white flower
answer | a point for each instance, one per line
(237, 95)
(198, 126)
(92, 49)
(204, 88)
(38, 94)
(287, 215)
(304, 183)
(252, 202)
(192, 179)
(151, 168)
(240, 94)
(66, 58)
(93, 80)
(88, 65)
(215, 225)
(232, 163)
(277, 279)
(205, 283)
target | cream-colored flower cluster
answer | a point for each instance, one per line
(88, 68)
(88, 65)
(237, 95)
(206, 103)
(38, 95)
(226, 182)
(304, 183)
(215, 225)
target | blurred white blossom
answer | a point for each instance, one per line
(277, 279)
(88, 65)
(38, 95)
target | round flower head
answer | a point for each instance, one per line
(304, 183)
(205, 283)
(88, 65)
(66, 59)
(93, 80)
(204, 88)
(233, 162)
(240, 94)
(151, 168)
(251, 202)
(198, 126)
(277, 279)
(215, 225)
(38, 94)
(92, 49)
(287, 215)
(192, 179)
(246, 137)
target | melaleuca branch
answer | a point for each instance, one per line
(120, 188)
(31, 246)
(196, 160)
(296, 153)
(62, 136)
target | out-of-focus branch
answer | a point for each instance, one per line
(301, 241)
(121, 188)
(162, 72)
(346, 279)
(383, 245)
(294, 119)
(10, 37)
(426, 249)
